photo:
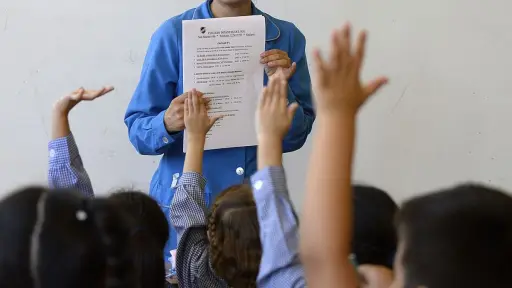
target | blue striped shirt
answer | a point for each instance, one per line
(65, 166)
(280, 265)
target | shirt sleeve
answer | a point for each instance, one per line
(144, 116)
(189, 218)
(280, 263)
(65, 166)
(299, 91)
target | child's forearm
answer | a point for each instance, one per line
(270, 152)
(327, 215)
(60, 125)
(194, 155)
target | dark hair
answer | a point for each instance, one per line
(60, 239)
(375, 237)
(233, 229)
(459, 237)
(150, 231)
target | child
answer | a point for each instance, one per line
(222, 248)
(325, 244)
(375, 238)
(280, 263)
(456, 237)
(60, 239)
(150, 228)
(280, 244)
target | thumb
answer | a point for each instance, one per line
(292, 108)
(290, 71)
(374, 85)
(214, 119)
(77, 95)
(180, 99)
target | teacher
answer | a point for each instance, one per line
(155, 114)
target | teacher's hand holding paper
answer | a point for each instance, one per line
(174, 115)
(275, 59)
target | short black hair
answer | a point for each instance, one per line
(375, 238)
(149, 234)
(58, 238)
(458, 237)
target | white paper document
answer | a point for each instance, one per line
(221, 58)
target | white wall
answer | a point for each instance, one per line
(443, 119)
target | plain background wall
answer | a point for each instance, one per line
(444, 118)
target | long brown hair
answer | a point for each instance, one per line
(233, 230)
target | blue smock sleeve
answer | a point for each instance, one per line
(299, 90)
(157, 87)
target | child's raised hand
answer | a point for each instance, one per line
(274, 116)
(65, 104)
(197, 121)
(337, 86)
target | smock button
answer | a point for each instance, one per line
(240, 171)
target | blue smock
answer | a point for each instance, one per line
(162, 79)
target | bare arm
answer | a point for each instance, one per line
(65, 166)
(327, 219)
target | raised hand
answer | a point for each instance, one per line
(338, 86)
(64, 105)
(174, 118)
(197, 122)
(274, 116)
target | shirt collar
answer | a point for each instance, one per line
(272, 30)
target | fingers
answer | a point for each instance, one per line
(282, 87)
(335, 55)
(182, 97)
(77, 95)
(374, 85)
(273, 52)
(285, 63)
(93, 94)
(290, 71)
(273, 86)
(196, 105)
(360, 49)
(292, 108)
(214, 119)
(345, 43)
(276, 58)
(319, 66)
(186, 107)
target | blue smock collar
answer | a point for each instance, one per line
(272, 30)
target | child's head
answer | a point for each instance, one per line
(148, 235)
(233, 230)
(60, 239)
(375, 239)
(460, 237)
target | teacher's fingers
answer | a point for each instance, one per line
(284, 63)
(273, 52)
(273, 57)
